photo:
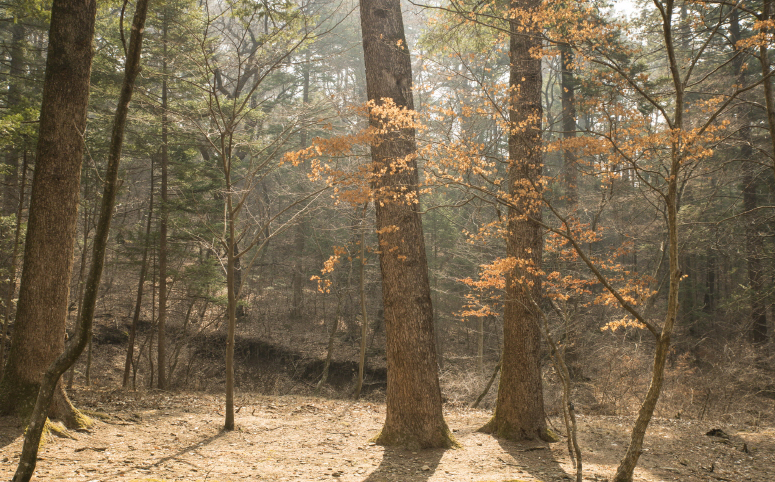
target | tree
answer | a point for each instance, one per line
(414, 415)
(519, 413)
(39, 334)
(50, 380)
(242, 55)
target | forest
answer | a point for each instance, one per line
(385, 241)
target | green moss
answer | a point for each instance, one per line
(53, 429)
(81, 421)
(95, 414)
(550, 436)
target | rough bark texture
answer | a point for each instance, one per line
(39, 333)
(414, 413)
(519, 411)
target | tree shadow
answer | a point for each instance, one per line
(11, 427)
(406, 465)
(192, 447)
(535, 458)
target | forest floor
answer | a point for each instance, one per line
(178, 437)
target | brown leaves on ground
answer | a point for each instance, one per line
(179, 437)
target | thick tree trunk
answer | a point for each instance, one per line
(519, 412)
(414, 412)
(39, 333)
(753, 241)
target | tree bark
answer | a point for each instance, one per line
(624, 472)
(414, 408)
(39, 333)
(519, 411)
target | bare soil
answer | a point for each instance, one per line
(178, 437)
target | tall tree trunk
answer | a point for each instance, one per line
(141, 283)
(624, 472)
(39, 332)
(519, 410)
(753, 241)
(298, 267)
(568, 97)
(231, 290)
(414, 412)
(162, 343)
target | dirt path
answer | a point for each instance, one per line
(178, 438)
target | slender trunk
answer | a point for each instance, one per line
(364, 313)
(488, 386)
(414, 412)
(232, 310)
(162, 343)
(628, 463)
(141, 283)
(81, 283)
(480, 345)
(331, 340)
(298, 267)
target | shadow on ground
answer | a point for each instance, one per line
(11, 428)
(533, 458)
(404, 465)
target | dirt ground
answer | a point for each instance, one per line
(178, 437)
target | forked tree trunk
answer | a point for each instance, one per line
(414, 412)
(519, 410)
(39, 332)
